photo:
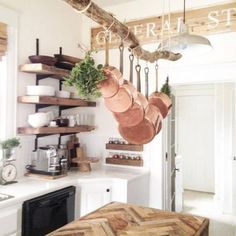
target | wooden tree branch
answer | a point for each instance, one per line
(107, 20)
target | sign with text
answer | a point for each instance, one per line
(204, 21)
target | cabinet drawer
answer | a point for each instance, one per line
(8, 221)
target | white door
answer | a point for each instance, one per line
(195, 136)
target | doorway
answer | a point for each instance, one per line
(202, 123)
(195, 140)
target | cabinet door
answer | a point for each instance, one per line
(9, 220)
(93, 196)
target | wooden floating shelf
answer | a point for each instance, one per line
(41, 69)
(55, 101)
(126, 147)
(54, 130)
(128, 162)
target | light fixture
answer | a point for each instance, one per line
(186, 43)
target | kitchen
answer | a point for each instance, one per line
(48, 21)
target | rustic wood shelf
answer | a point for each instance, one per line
(128, 162)
(54, 130)
(55, 101)
(126, 147)
(42, 69)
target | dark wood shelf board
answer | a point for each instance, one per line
(129, 162)
(41, 69)
(55, 101)
(126, 147)
(54, 130)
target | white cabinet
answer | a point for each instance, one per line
(94, 195)
(10, 220)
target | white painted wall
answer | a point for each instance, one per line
(56, 24)
(52, 22)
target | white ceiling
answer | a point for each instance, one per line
(106, 3)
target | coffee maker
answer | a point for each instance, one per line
(48, 160)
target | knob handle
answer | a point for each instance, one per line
(108, 190)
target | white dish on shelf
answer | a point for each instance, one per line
(62, 94)
(40, 119)
(40, 90)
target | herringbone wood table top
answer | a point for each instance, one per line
(119, 219)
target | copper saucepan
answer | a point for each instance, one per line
(123, 99)
(159, 99)
(110, 86)
(135, 114)
(146, 130)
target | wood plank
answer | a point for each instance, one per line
(118, 219)
(107, 20)
(55, 101)
(54, 130)
(126, 147)
(202, 21)
(41, 176)
(128, 162)
(41, 69)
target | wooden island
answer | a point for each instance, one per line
(119, 219)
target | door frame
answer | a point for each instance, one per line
(223, 92)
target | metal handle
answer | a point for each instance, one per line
(176, 169)
(146, 71)
(121, 48)
(131, 59)
(107, 49)
(138, 69)
(156, 68)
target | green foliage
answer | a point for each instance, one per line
(10, 143)
(166, 87)
(85, 76)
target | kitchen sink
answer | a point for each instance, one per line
(4, 197)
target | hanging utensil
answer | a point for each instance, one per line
(146, 130)
(159, 99)
(135, 114)
(131, 60)
(110, 86)
(146, 71)
(121, 48)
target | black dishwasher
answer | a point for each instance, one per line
(42, 215)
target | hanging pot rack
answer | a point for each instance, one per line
(107, 20)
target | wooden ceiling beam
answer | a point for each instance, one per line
(108, 21)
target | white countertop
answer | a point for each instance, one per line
(30, 187)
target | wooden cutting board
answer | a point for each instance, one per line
(119, 219)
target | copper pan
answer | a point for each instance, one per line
(146, 130)
(135, 114)
(159, 99)
(110, 86)
(123, 99)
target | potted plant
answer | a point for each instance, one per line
(8, 146)
(166, 88)
(85, 76)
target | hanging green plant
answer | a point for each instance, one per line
(166, 87)
(85, 77)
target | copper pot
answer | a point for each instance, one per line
(146, 130)
(110, 86)
(123, 99)
(159, 99)
(162, 101)
(135, 114)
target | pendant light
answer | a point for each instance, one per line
(186, 43)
